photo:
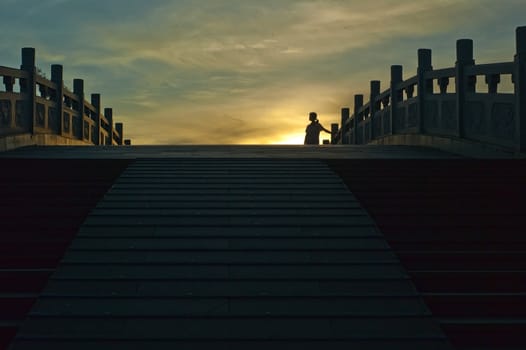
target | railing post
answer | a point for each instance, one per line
(108, 114)
(119, 129)
(520, 90)
(334, 133)
(78, 89)
(396, 96)
(373, 105)
(358, 103)
(57, 76)
(95, 101)
(28, 65)
(462, 86)
(345, 113)
(424, 88)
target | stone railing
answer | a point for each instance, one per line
(32, 104)
(454, 109)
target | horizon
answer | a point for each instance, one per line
(243, 72)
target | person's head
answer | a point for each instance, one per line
(313, 116)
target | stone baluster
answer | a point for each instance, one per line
(443, 83)
(464, 84)
(108, 114)
(424, 86)
(96, 102)
(358, 103)
(28, 86)
(373, 105)
(119, 130)
(345, 113)
(78, 89)
(57, 76)
(396, 94)
(334, 133)
(493, 81)
(519, 78)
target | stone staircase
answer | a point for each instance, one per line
(458, 228)
(43, 204)
(270, 244)
(229, 253)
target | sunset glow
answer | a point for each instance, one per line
(244, 71)
(290, 139)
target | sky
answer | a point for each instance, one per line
(244, 71)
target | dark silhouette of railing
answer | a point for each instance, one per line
(410, 110)
(47, 107)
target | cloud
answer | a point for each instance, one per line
(247, 36)
(241, 70)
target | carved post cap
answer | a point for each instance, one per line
(57, 73)
(424, 59)
(78, 86)
(465, 51)
(375, 87)
(345, 115)
(334, 133)
(28, 58)
(95, 100)
(108, 114)
(358, 101)
(396, 73)
(119, 130)
(520, 36)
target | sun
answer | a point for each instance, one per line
(289, 139)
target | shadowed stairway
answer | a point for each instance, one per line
(240, 238)
(458, 228)
(43, 204)
(237, 254)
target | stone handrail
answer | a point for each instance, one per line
(32, 104)
(456, 110)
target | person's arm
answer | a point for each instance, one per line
(330, 132)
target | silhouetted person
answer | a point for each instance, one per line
(313, 130)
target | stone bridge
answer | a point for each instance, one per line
(257, 247)
(37, 111)
(362, 244)
(477, 110)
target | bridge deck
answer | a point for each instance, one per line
(237, 151)
(455, 223)
(232, 253)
